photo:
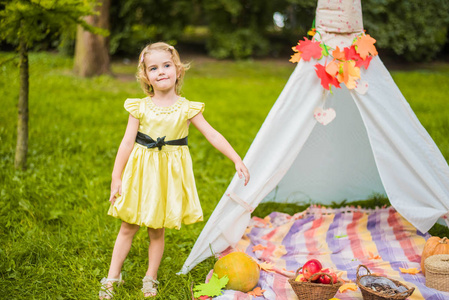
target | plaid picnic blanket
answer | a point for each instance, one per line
(340, 239)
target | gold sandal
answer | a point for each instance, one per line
(106, 291)
(149, 286)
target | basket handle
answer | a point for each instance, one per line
(297, 272)
(321, 273)
(369, 272)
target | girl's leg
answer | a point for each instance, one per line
(121, 249)
(155, 252)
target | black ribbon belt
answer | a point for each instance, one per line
(148, 142)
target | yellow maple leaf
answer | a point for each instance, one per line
(412, 271)
(256, 292)
(259, 247)
(365, 46)
(267, 267)
(348, 286)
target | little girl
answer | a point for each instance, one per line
(152, 181)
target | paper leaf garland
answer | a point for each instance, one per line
(324, 116)
(326, 79)
(349, 60)
(212, 288)
(365, 46)
(309, 49)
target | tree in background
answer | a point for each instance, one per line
(138, 22)
(414, 29)
(24, 23)
(238, 28)
(92, 50)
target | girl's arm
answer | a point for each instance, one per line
(219, 142)
(126, 146)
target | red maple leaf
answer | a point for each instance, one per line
(363, 62)
(351, 53)
(309, 49)
(326, 79)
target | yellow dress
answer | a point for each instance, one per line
(158, 186)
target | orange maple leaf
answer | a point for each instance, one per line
(365, 46)
(259, 247)
(256, 292)
(348, 286)
(332, 68)
(412, 271)
(372, 256)
(296, 57)
(337, 54)
(348, 74)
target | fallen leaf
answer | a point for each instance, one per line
(256, 292)
(212, 288)
(267, 267)
(351, 286)
(259, 247)
(365, 46)
(372, 256)
(412, 271)
(310, 49)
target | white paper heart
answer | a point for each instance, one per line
(324, 116)
(361, 87)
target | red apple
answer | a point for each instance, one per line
(311, 267)
(326, 279)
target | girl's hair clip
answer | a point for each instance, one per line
(141, 58)
(171, 47)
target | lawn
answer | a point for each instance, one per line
(55, 237)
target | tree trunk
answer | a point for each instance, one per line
(92, 51)
(22, 124)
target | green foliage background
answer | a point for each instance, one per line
(55, 237)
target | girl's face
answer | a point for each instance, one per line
(160, 70)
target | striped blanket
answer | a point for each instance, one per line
(340, 239)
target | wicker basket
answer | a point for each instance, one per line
(437, 272)
(314, 291)
(370, 294)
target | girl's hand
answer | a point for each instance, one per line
(116, 190)
(242, 171)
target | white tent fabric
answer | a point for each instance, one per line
(375, 145)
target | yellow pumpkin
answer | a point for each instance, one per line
(434, 245)
(243, 272)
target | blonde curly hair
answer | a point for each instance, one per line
(141, 75)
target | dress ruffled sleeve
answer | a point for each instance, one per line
(132, 105)
(194, 109)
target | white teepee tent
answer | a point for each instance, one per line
(375, 145)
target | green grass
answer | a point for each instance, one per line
(55, 237)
